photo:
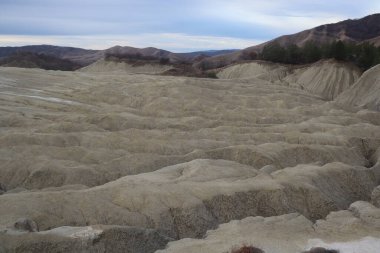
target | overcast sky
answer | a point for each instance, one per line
(176, 25)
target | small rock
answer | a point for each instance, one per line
(269, 169)
(248, 249)
(321, 250)
(26, 224)
(2, 189)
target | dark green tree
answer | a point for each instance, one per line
(293, 54)
(377, 57)
(311, 52)
(339, 51)
(366, 55)
(273, 52)
(351, 51)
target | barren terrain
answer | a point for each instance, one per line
(114, 161)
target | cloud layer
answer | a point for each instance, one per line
(175, 42)
(195, 24)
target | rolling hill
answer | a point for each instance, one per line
(35, 60)
(77, 55)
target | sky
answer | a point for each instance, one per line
(175, 25)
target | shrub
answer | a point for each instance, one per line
(212, 75)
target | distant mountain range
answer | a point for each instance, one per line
(366, 29)
(16, 57)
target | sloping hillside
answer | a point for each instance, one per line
(257, 69)
(356, 31)
(325, 78)
(375, 41)
(351, 30)
(365, 92)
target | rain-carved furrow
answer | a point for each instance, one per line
(207, 193)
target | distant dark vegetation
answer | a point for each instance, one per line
(187, 69)
(34, 60)
(136, 59)
(180, 67)
(204, 64)
(363, 55)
